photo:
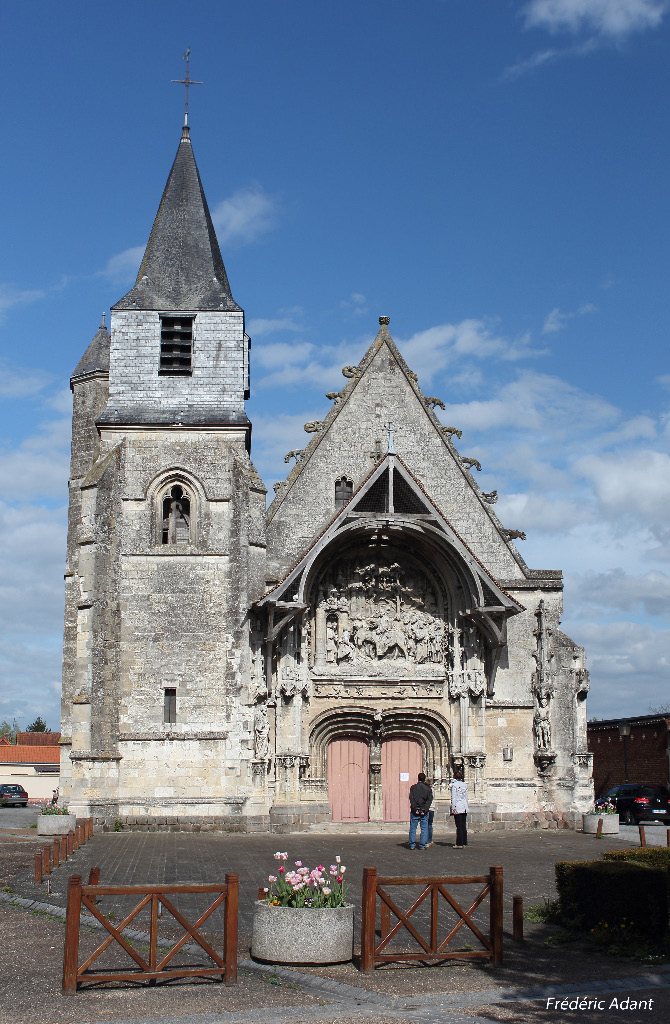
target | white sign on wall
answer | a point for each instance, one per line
(404, 776)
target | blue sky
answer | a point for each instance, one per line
(492, 174)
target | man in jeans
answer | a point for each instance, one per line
(420, 799)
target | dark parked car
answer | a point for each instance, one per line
(638, 802)
(13, 796)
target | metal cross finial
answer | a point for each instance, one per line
(186, 82)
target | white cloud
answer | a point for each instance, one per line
(612, 19)
(598, 593)
(551, 56)
(122, 268)
(356, 304)
(19, 382)
(11, 296)
(274, 437)
(556, 320)
(245, 215)
(32, 552)
(260, 326)
(628, 662)
(537, 402)
(39, 466)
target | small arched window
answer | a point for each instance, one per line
(176, 512)
(344, 489)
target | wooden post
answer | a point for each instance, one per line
(56, 853)
(46, 860)
(643, 838)
(434, 894)
(70, 843)
(496, 897)
(517, 918)
(599, 829)
(667, 837)
(94, 879)
(153, 936)
(63, 848)
(262, 892)
(368, 915)
(91, 828)
(38, 868)
(230, 923)
(385, 916)
(71, 953)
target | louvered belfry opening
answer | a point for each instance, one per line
(176, 345)
(404, 498)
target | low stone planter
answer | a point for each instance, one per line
(302, 935)
(56, 824)
(610, 823)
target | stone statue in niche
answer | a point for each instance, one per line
(542, 730)
(582, 683)
(257, 684)
(380, 617)
(261, 733)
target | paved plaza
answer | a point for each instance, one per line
(32, 936)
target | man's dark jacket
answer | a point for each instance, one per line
(420, 797)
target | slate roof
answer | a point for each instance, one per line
(182, 267)
(96, 357)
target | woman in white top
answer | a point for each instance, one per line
(459, 807)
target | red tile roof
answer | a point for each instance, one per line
(38, 739)
(22, 753)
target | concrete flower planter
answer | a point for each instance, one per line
(56, 824)
(610, 823)
(302, 935)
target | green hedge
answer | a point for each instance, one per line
(651, 856)
(614, 894)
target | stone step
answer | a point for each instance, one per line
(400, 828)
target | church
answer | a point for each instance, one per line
(229, 665)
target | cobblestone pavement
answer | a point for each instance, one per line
(31, 957)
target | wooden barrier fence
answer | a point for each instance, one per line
(149, 967)
(57, 853)
(373, 953)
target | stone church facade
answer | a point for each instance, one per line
(231, 667)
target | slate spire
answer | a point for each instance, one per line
(95, 360)
(182, 267)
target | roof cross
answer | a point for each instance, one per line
(186, 82)
(390, 428)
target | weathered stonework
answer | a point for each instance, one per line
(215, 654)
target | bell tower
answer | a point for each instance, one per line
(166, 538)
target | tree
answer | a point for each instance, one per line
(661, 709)
(39, 725)
(8, 731)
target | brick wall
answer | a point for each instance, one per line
(646, 753)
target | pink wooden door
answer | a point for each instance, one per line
(348, 779)
(401, 763)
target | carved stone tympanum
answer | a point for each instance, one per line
(379, 617)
